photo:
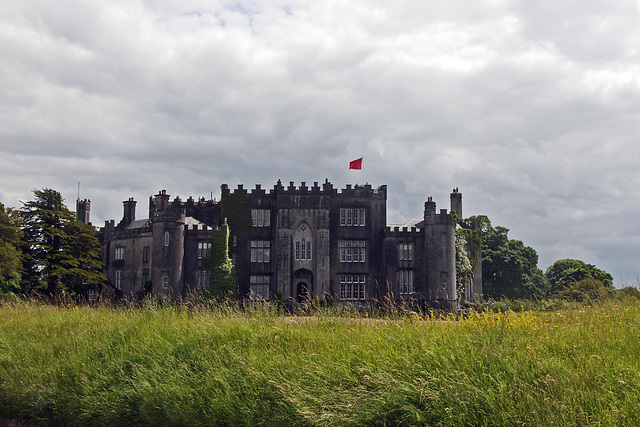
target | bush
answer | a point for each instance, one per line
(629, 292)
(586, 290)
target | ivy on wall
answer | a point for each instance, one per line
(474, 238)
(222, 279)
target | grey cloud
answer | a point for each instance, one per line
(531, 109)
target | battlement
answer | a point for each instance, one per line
(110, 231)
(326, 189)
(196, 228)
(399, 232)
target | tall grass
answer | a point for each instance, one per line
(218, 365)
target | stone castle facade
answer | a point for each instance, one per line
(291, 243)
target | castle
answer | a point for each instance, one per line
(290, 243)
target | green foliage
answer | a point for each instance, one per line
(60, 252)
(629, 292)
(82, 262)
(509, 268)
(160, 364)
(223, 280)
(587, 290)
(565, 272)
(473, 238)
(10, 254)
(464, 269)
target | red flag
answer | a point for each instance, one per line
(356, 164)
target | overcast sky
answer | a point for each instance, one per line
(531, 108)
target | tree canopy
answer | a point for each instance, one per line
(60, 252)
(509, 268)
(10, 254)
(565, 272)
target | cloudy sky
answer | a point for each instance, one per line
(531, 108)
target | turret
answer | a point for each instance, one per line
(456, 203)
(83, 209)
(440, 250)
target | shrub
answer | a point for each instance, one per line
(629, 292)
(586, 290)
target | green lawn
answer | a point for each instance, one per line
(195, 366)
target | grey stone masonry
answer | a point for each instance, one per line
(291, 243)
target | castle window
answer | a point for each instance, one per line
(165, 281)
(204, 250)
(93, 295)
(352, 250)
(444, 280)
(405, 251)
(203, 278)
(166, 238)
(352, 287)
(259, 286)
(118, 283)
(352, 217)
(405, 282)
(260, 217)
(302, 250)
(119, 253)
(145, 275)
(146, 252)
(260, 251)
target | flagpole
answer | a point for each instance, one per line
(363, 181)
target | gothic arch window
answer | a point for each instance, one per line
(303, 243)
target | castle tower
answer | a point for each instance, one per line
(440, 256)
(456, 203)
(168, 246)
(83, 210)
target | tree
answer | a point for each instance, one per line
(10, 254)
(564, 272)
(509, 268)
(222, 279)
(82, 262)
(60, 252)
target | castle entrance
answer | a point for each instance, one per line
(303, 280)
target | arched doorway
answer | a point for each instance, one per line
(303, 284)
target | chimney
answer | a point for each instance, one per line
(161, 201)
(129, 211)
(429, 209)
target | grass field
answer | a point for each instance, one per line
(197, 365)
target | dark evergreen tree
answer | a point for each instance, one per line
(509, 268)
(10, 254)
(60, 252)
(82, 264)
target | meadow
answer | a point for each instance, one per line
(214, 364)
